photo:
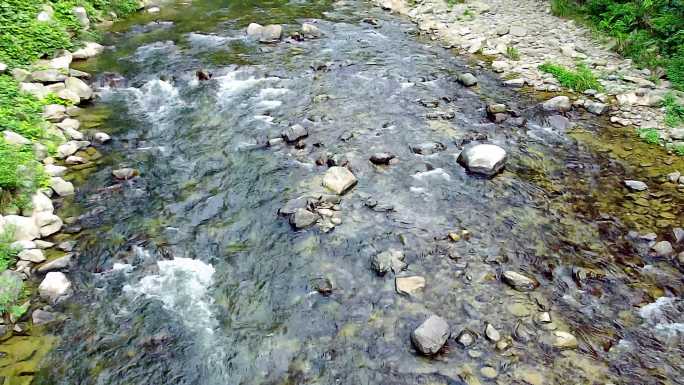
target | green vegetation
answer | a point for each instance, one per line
(649, 31)
(674, 112)
(649, 135)
(7, 253)
(678, 149)
(579, 80)
(512, 53)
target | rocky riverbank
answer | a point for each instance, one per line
(514, 38)
(40, 238)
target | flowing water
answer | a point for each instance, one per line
(187, 275)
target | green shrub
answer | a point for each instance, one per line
(649, 31)
(7, 253)
(678, 149)
(674, 112)
(19, 169)
(19, 112)
(649, 135)
(512, 53)
(579, 80)
(10, 291)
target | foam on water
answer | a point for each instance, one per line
(182, 285)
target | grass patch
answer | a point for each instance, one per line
(512, 53)
(649, 135)
(649, 31)
(8, 254)
(674, 112)
(579, 80)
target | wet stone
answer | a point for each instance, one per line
(41, 317)
(409, 285)
(431, 335)
(339, 180)
(559, 103)
(518, 281)
(488, 372)
(428, 148)
(636, 185)
(485, 159)
(381, 158)
(389, 260)
(125, 173)
(491, 333)
(293, 133)
(467, 79)
(564, 340)
(323, 285)
(303, 218)
(466, 338)
(663, 249)
(60, 263)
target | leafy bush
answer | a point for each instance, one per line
(7, 252)
(19, 112)
(674, 112)
(649, 31)
(19, 169)
(580, 80)
(512, 53)
(10, 291)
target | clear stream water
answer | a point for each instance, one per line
(187, 275)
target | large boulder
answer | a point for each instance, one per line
(61, 187)
(485, 159)
(79, 87)
(339, 180)
(431, 335)
(54, 287)
(40, 203)
(12, 137)
(36, 89)
(23, 228)
(302, 218)
(49, 223)
(54, 112)
(48, 76)
(32, 255)
(56, 264)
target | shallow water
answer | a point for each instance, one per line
(187, 275)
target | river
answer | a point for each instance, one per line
(186, 274)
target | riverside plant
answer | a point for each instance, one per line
(579, 80)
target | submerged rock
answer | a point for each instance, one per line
(41, 317)
(467, 79)
(663, 249)
(381, 158)
(125, 173)
(61, 187)
(265, 34)
(310, 30)
(466, 338)
(431, 335)
(491, 333)
(564, 340)
(485, 159)
(388, 260)
(339, 180)
(294, 133)
(428, 148)
(519, 281)
(409, 285)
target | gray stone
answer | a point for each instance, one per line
(36, 89)
(294, 133)
(409, 285)
(293, 205)
(61, 187)
(66, 149)
(41, 203)
(559, 122)
(21, 75)
(674, 176)
(54, 112)
(82, 16)
(636, 185)
(101, 137)
(339, 180)
(466, 338)
(389, 260)
(519, 281)
(428, 148)
(32, 255)
(310, 30)
(514, 83)
(559, 103)
(24, 228)
(663, 249)
(69, 95)
(79, 87)
(485, 159)
(265, 34)
(60, 263)
(678, 234)
(431, 335)
(467, 79)
(41, 317)
(125, 173)
(48, 223)
(90, 49)
(303, 218)
(517, 31)
(54, 286)
(596, 108)
(54, 170)
(12, 137)
(48, 76)
(564, 340)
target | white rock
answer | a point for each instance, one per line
(559, 103)
(32, 255)
(3, 68)
(40, 203)
(54, 287)
(499, 66)
(79, 87)
(12, 137)
(54, 112)
(73, 159)
(339, 180)
(66, 149)
(36, 89)
(485, 159)
(101, 137)
(70, 133)
(69, 123)
(48, 223)
(56, 264)
(23, 245)
(24, 228)
(431, 335)
(54, 170)
(82, 16)
(61, 187)
(90, 49)
(69, 95)
(310, 30)
(61, 62)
